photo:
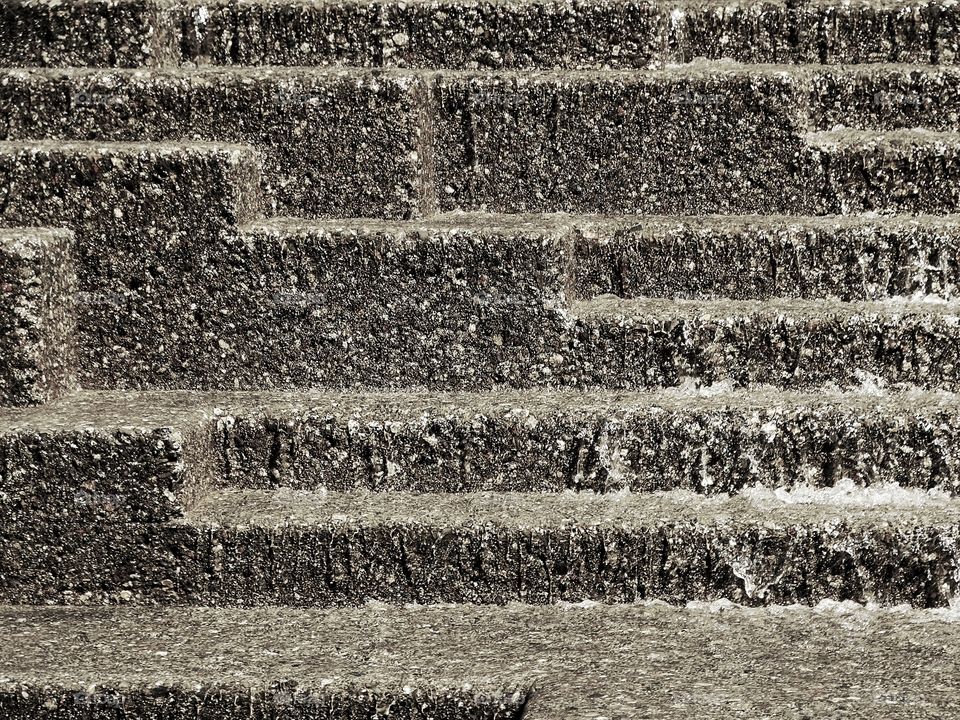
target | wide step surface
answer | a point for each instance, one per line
(474, 662)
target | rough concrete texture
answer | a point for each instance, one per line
(141, 213)
(885, 97)
(256, 547)
(106, 33)
(902, 171)
(104, 458)
(758, 258)
(541, 441)
(448, 302)
(707, 139)
(790, 343)
(334, 142)
(602, 441)
(489, 34)
(37, 322)
(569, 663)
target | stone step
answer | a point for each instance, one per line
(714, 138)
(885, 97)
(144, 216)
(706, 138)
(104, 33)
(149, 454)
(37, 315)
(489, 34)
(900, 171)
(562, 663)
(785, 343)
(308, 548)
(334, 142)
(765, 257)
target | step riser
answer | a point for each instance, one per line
(658, 348)
(37, 315)
(621, 143)
(914, 176)
(886, 98)
(142, 216)
(765, 259)
(222, 703)
(101, 33)
(332, 143)
(347, 563)
(399, 144)
(641, 448)
(451, 34)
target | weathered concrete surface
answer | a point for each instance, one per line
(115, 445)
(443, 303)
(481, 34)
(766, 257)
(786, 343)
(334, 142)
(900, 171)
(254, 547)
(114, 33)
(603, 441)
(560, 663)
(885, 97)
(104, 458)
(37, 295)
(691, 140)
(278, 547)
(142, 214)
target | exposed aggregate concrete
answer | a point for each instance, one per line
(790, 343)
(333, 141)
(37, 319)
(474, 662)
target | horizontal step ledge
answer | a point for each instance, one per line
(758, 508)
(588, 224)
(157, 409)
(799, 309)
(100, 147)
(894, 139)
(587, 660)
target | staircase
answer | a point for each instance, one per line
(479, 359)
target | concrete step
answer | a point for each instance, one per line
(333, 142)
(786, 343)
(765, 257)
(706, 138)
(143, 214)
(285, 547)
(453, 34)
(483, 663)
(689, 140)
(900, 171)
(156, 451)
(37, 315)
(885, 97)
(105, 33)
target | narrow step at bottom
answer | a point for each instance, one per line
(453, 663)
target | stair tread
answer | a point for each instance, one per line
(130, 408)
(799, 307)
(852, 507)
(645, 660)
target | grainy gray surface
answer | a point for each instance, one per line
(787, 343)
(558, 663)
(767, 257)
(333, 141)
(37, 315)
(486, 34)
